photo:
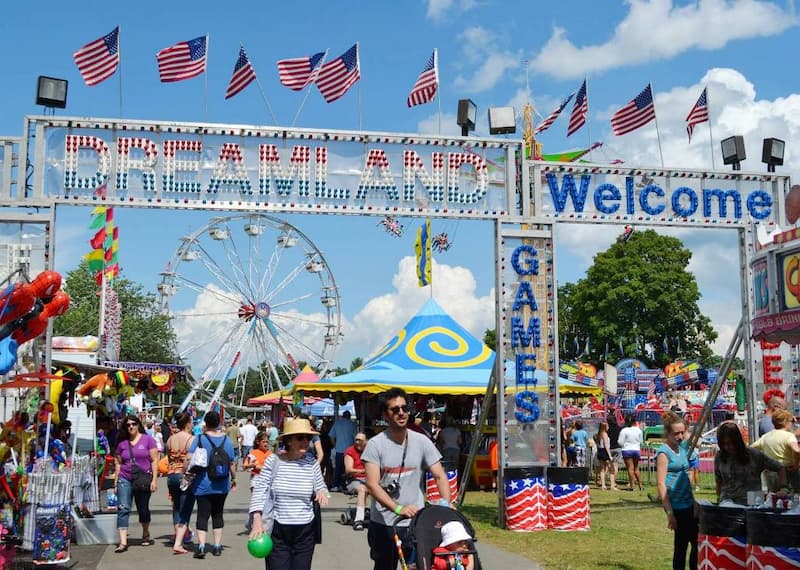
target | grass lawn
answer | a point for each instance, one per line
(628, 532)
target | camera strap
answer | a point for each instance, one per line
(403, 460)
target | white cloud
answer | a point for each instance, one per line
(488, 59)
(656, 30)
(454, 288)
(437, 9)
(430, 125)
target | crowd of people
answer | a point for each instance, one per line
(291, 475)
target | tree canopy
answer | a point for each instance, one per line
(638, 294)
(146, 333)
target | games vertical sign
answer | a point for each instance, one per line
(527, 313)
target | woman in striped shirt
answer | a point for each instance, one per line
(296, 484)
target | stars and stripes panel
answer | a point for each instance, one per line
(721, 552)
(568, 499)
(433, 491)
(526, 503)
(772, 557)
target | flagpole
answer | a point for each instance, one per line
(119, 56)
(655, 117)
(261, 89)
(438, 90)
(588, 121)
(358, 63)
(303, 103)
(710, 134)
(205, 75)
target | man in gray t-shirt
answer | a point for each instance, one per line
(395, 462)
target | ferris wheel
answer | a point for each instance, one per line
(250, 298)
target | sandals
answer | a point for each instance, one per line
(179, 551)
(146, 541)
(121, 548)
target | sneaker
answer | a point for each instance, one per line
(358, 525)
(216, 550)
(200, 552)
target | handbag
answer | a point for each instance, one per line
(199, 459)
(268, 510)
(140, 480)
(317, 519)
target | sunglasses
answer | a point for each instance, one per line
(397, 409)
(302, 436)
(131, 424)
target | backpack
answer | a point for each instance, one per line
(219, 463)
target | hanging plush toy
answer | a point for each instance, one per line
(57, 454)
(441, 243)
(626, 235)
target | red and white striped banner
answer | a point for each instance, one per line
(721, 552)
(433, 491)
(568, 507)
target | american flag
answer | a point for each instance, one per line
(698, 114)
(98, 60)
(243, 74)
(297, 72)
(579, 110)
(424, 90)
(568, 506)
(182, 61)
(544, 125)
(338, 75)
(526, 503)
(635, 114)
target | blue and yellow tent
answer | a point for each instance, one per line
(432, 354)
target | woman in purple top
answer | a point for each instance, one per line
(134, 447)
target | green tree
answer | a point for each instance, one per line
(357, 362)
(490, 338)
(639, 293)
(146, 335)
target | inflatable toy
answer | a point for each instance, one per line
(260, 547)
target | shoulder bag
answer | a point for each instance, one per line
(140, 480)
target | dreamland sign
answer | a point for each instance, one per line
(229, 167)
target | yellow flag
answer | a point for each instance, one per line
(422, 247)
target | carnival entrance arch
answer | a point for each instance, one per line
(267, 170)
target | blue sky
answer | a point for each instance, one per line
(739, 48)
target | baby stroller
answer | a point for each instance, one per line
(426, 534)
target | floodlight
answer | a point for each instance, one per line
(772, 153)
(733, 151)
(51, 92)
(502, 121)
(467, 115)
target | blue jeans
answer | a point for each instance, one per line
(182, 501)
(338, 469)
(126, 496)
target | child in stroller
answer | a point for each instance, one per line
(444, 538)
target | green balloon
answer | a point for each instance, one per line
(260, 547)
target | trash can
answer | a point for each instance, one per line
(722, 541)
(525, 498)
(433, 491)
(568, 498)
(773, 540)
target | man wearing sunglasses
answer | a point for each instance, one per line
(395, 461)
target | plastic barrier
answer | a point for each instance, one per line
(773, 540)
(433, 491)
(568, 498)
(525, 499)
(723, 538)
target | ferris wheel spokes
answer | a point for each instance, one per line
(288, 301)
(290, 277)
(215, 291)
(281, 245)
(236, 265)
(214, 269)
(297, 341)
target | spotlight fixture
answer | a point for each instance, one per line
(733, 151)
(502, 121)
(772, 153)
(51, 92)
(467, 115)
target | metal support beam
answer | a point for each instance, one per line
(477, 437)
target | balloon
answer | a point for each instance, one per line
(260, 547)
(58, 305)
(46, 284)
(793, 204)
(8, 354)
(16, 301)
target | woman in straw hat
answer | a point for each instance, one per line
(297, 482)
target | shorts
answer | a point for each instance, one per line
(631, 454)
(694, 463)
(352, 486)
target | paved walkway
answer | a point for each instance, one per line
(342, 547)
